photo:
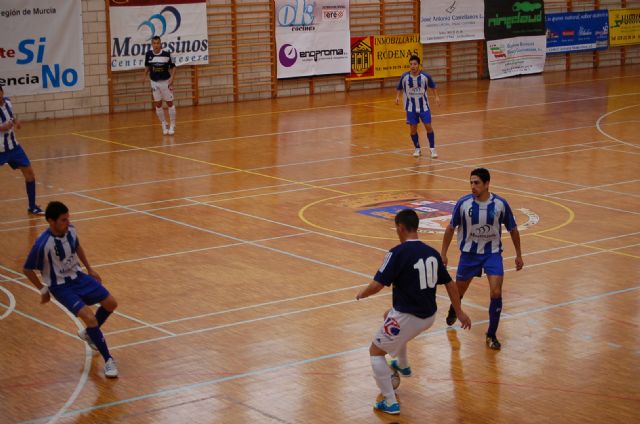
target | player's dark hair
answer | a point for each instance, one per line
(481, 173)
(414, 57)
(156, 38)
(408, 218)
(55, 209)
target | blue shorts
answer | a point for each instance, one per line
(414, 118)
(472, 264)
(75, 295)
(16, 158)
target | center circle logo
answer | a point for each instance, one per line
(287, 55)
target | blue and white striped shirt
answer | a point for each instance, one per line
(7, 138)
(415, 91)
(480, 223)
(55, 257)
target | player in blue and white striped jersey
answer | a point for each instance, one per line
(13, 154)
(479, 217)
(57, 254)
(161, 70)
(414, 85)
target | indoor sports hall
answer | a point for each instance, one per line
(236, 246)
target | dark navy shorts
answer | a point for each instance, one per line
(472, 264)
(414, 118)
(76, 294)
(16, 158)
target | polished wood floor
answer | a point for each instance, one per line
(237, 246)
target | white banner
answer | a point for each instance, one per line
(516, 56)
(41, 46)
(312, 37)
(180, 24)
(451, 20)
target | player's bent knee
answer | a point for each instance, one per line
(110, 303)
(87, 316)
(376, 351)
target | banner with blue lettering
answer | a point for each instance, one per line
(577, 31)
(180, 24)
(41, 46)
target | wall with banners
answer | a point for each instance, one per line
(181, 25)
(382, 56)
(92, 97)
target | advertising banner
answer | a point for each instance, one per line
(382, 56)
(577, 31)
(509, 18)
(451, 20)
(624, 25)
(516, 56)
(41, 48)
(312, 37)
(180, 24)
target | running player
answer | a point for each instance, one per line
(414, 268)
(479, 217)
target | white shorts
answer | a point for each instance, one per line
(161, 91)
(398, 328)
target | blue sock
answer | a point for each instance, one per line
(495, 308)
(101, 315)
(31, 193)
(414, 138)
(98, 339)
(432, 139)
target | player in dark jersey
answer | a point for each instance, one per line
(160, 69)
(414, 268)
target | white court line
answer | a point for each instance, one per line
(30, 287)
(87, 350)
(12, 302)
(291, 364)
(599, 187)
(603, 132)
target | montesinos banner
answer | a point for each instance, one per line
(312, 37)
(451, 20)
(180, 24)
(41, 46)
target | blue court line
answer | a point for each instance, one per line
(267, 370)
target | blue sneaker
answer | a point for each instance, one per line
(36, 210)
(405, 372)
(382, 406)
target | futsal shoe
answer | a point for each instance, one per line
(110, 369)
(493, 343)
(434, 154)
(405, 372)
(172, 130)
(383, 406)
(417, 153)
(36, 210)
(165, 129)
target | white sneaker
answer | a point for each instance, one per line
(85, 338)
(165, 129)
(433, 154)
(110, 369)
(416, 153)
(172, 130)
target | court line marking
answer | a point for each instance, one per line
(603, 132)
(290, 364)
(334, 106)
(600, 187)
(409, 172)
(84, 376)
(12, 302)
(30, 287)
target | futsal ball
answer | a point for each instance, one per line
(395, 380)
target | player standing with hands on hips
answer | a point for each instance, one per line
(414, 268)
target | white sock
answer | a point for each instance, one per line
(160, 113)
(172, 115)
(382, 374)
(403, 360)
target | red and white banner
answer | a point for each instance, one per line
(180, 24)
(516, 56)
(312, 37)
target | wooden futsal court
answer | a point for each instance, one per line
(236, 248)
